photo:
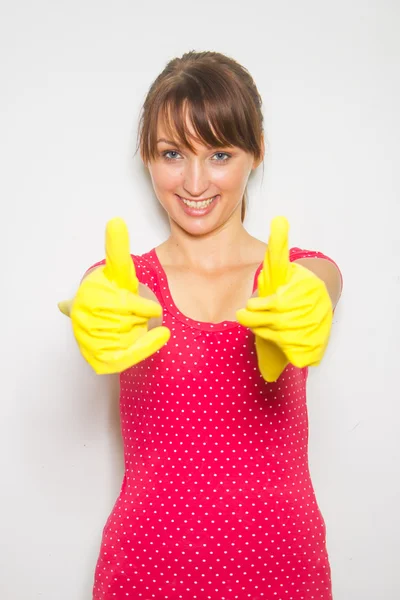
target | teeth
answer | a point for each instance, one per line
(203, 204)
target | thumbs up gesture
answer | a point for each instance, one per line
(292, 315)
(109, 318)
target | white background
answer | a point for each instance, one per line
(73, 78)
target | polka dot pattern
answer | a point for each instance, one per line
(216, 501)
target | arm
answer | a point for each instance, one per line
(325, 270)
(328, 272)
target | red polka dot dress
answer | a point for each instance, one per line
(216, 502)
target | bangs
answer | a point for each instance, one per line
(210, 128)
(218, 111)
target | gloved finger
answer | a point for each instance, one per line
(253, 319)
(144, 347)
(109, 301)
(101, 321)
(111, 340)
(262, 303)
(106, 328)
(144, 307)
(289, 314)
(300, 354)
(119, 266)
(277, 261)
(269, 334)
(130, 304)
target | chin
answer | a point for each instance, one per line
(196, 227)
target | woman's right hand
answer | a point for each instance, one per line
(109, 318)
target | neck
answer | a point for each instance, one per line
(225, 246)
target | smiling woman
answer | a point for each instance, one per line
(217, 105)
(206, 180)
(217, 501)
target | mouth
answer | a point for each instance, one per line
(198, 208)
(199, 204)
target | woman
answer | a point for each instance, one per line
(216, 501)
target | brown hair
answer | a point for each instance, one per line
(224, 106)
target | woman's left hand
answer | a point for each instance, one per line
(292, 315)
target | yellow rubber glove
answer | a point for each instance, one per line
(109, 318)
(292, 316)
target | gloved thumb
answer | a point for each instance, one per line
(276, 262)
(119, 264)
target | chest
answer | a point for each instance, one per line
(211, 297)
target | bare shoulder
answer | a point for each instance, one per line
(257, 250)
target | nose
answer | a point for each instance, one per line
(196, 179)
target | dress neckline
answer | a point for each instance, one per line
(174, 310)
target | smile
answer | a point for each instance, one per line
(198, 204)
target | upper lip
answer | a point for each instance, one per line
(198, 199)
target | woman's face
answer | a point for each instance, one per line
(212, 180)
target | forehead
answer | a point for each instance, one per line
(167, 129)
(169, 132)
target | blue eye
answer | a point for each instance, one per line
(166, 152)
(224, 154)
(169, 152)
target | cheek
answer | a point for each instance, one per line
(230, 179)
(166, 179)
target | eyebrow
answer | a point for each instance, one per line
(176, 144)
(167, 141)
